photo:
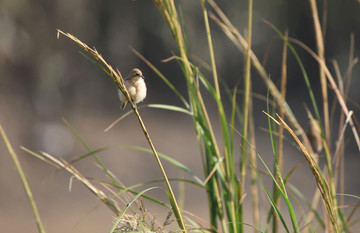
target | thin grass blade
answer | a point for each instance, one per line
(19, 169)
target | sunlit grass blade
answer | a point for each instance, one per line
(349, 195)
(320, 44)
(120, 118)
(211, 49)
(170, 108)
(159, 106)
(24, 181)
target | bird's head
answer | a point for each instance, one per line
(135, 73)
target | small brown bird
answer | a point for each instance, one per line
(136, 87)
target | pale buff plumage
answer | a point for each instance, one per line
(136, 87)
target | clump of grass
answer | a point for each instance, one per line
(224, 186)
(141, 222)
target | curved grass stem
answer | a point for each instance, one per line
(117, 78)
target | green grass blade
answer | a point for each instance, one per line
(317, 173)
(169, 159)
(252, 226)
(170, 108)
(302, 68)
(273, 204)
(278, 193)
(158, 106)
(177, 214)
(92, 152)
(132, 191)
(309, 205)
(278, 175)
(81, 157)
(232, 123)
(222, 116)
(23, 180)
(348, 195)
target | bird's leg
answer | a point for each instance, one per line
(134, 103)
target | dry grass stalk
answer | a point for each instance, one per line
(321, 53)
(334, 87)
(116, 76)
(100, 194)
(281, 129)
(321, 183)
(239, 41)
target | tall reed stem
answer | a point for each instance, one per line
(245, 125)
(321, 53)
(281, 129)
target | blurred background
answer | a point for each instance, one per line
(43, 79)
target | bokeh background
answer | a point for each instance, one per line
(43, 79)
